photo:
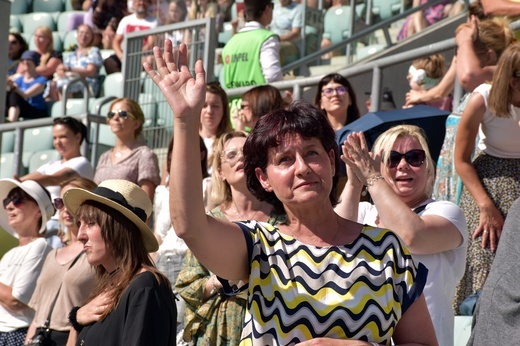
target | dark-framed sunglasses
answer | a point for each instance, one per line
(122, 114)
(414, 158)
(58, 203)
(16, 199)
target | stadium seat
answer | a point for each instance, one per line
(8, 142)
(56, 42)
(69, 38)
(37, 139)
(385, 9)
(19, 7)
(6, 165)
(226, 34)
(40, 158)
(33, 20)
(63, 19)
(73, 107)
(113, 85)
(15, 24)
(337, 24)
(47, 5)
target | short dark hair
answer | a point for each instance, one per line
(74, 125)
(352, 110)
(253, 9)
(299, 118)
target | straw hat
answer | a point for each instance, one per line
(33, 189)
(123, 196)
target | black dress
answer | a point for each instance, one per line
(146, 315)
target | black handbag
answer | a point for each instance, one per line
(42, 337)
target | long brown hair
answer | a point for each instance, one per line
(124, 243)
(501, 92)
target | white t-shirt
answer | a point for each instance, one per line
(445, 269)
(498, 136)
(131, 23)
(19, 269)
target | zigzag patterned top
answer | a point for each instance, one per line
(298, 292)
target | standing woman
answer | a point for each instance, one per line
(210, 317)
(50, 59)
(26, 208)
(491, 182)
(337, 99)
(133, 303)
(25, 93)
(316, 279)
(214, 117)
(130, 159)
(66, 279)
(255, 103)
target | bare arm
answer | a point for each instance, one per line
(48, 69)
(293, 35)
(501, 7)
(423, 235)
(8, 301)
(217, 244)
(441, 90)
(116, 46)
(34, 90)
(52, 179)
(491, 219)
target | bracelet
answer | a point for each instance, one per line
(73, 321)
(373, 180)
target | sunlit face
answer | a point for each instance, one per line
(41, 40)
(66, 219)
(94, 245)
(23, 213)
(212, 113)
(85, 36)
(413, 84)
(333, 102)
(299, 171)
(120, 125)
(247, 114)
(232, 161)
(65, 141)
(141, 6)
(175, 13)
(408, 182)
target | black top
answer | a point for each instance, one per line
(145, 315)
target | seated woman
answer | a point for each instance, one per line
(133, 303)
(25, 93)
(401, 187)
(26, 208)
(49, 58)
(308, 280)
(212, 318)
(130, 159)
(66, 279)
(17, 46)
(85, 61)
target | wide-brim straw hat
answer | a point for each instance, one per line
(33, 189)
(123, 196)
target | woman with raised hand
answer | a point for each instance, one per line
(26, 208)
(399, 175)
(296, 269)
(130, 158)
(66, 279)
(133, 303)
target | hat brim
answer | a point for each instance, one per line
(36, 192)
(75, 197)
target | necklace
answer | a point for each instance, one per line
(240, 216)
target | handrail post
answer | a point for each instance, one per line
(375, 99)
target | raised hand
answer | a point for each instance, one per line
(359, 159)
(184, 94)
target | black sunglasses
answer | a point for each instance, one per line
(122, 114)
(414, 158)
(16, 199)
(58, 203)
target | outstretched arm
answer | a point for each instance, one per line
(218, 245)
(426, 234)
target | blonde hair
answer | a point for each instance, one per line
(210, 12)
(433, 65)
(501, 93)
(47, 32)
(220, 189)
(134, 108)
(386, 141)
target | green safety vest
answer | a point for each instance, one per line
(241, 58)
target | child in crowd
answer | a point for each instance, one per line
(424, 74)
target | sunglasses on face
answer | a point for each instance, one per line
(58, 203)
(122, 114)
(415, 158)
(17, 200)
(231, 156)
(341, 90)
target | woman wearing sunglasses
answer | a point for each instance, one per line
(211, 318)
(399, 175)
(129, 159)
(26, 208)
(66, 279)
(337, 99)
